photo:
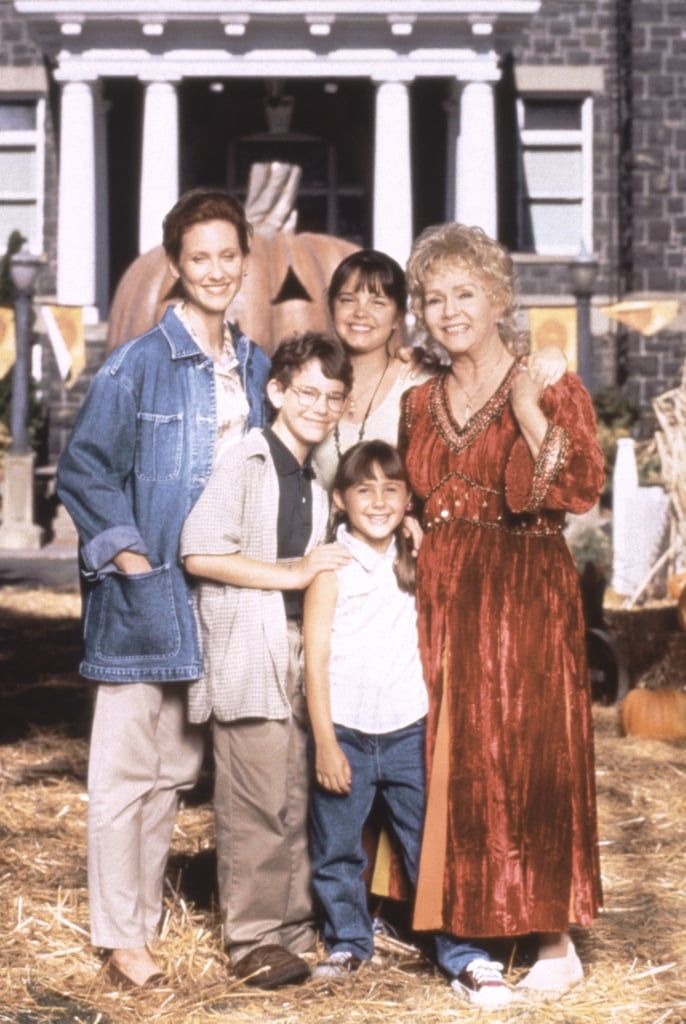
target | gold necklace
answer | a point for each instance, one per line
(469, 405)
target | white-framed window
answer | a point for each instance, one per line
(22, 168)
(555, 172)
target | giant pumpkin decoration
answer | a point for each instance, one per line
(287, 274)
(654, 714)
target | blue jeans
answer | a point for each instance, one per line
(391, 764)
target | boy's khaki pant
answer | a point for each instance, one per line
(142, 754)
(260, 806)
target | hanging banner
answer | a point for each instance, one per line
(7, 347)
(646, 316)
(555, 325)
(64, 325)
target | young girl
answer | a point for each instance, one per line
(367, 702)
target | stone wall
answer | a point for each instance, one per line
(582, 34)
(18, 49)
(658, 188)
(639, 169)
(658, 179)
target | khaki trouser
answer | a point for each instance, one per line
(260, 806)
(142, 754)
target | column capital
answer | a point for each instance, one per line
(161, 77)
(67, 78)
(399, 77)
(486, 72)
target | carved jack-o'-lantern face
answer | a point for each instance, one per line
(284, 291)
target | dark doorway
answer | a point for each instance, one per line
(324, 126)
(124, 125)
(429, 151)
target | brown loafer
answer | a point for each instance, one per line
(123, 981)
(271, 966)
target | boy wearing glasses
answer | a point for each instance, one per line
(255, 540)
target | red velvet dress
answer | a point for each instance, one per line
(510, 843)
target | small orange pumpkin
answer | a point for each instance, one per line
(654, 714)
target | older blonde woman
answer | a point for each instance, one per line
(497, 459)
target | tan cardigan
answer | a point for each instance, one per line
(243, 630)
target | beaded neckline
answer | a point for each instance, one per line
(455, 436)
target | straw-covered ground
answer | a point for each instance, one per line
(635, 957)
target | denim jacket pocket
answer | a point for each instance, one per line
(134, 617)
(159, 446)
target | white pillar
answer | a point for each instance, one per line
(159, 161)
(475, 159)
(76, 228)
(392, 171)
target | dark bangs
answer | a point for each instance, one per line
(362, 462)
(376, 271)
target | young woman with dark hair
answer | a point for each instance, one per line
(367, 301)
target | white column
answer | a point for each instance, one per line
(476, 199)
(392, 171)
(159, 160)
(76, 228)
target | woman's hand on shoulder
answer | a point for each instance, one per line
(332, 769)
(404, 353)
(414, 533)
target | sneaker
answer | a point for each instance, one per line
(481, 983)
(380, 925)
(338, 964)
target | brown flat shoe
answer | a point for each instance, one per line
(271, 966)
(123, 981)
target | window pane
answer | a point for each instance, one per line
(556, 227)
(17, 217)
(17, 116)
(552, 115)
(17, 170)
(556, 172)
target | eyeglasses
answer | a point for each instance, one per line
(307, 397)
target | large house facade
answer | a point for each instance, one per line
(557, 125)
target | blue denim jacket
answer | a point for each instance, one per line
(138, 459)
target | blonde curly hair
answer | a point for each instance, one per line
(446, 245)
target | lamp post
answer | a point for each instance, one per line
(582, 272)
(18, 529)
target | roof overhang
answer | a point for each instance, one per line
(282, 37)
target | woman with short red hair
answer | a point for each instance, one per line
(157, 416)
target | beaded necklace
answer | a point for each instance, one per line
(363, 424)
